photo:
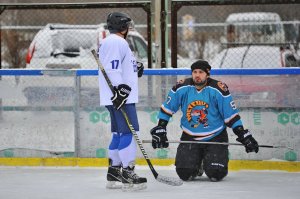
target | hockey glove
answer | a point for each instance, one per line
(140, 68)
(120, 96)
(159, 135)
(245, 137)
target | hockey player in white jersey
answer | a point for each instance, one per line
(123, 71)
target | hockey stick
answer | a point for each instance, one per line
(163, 179)
(218, 143)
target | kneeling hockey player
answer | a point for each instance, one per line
(207, 109)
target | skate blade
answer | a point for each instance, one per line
(133, 187)
(114, 185)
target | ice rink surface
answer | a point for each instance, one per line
(89, 183)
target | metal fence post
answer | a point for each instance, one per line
(76, 109)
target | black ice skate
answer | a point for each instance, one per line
(114, 177)
(131, 181)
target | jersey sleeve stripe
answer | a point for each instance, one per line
(231, 120)
(166, 111)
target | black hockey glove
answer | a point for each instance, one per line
(120, 96)
(245, 137)
(140, 68)
(159, 135)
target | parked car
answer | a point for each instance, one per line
(260, 91)
(256, 40)
(65, 46)
(253, 56)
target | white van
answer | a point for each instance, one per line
(255, 27)
(255, 40)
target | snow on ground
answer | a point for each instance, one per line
(89, 183)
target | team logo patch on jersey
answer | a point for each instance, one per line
(223, 86)
(197, 113)
(180, 81)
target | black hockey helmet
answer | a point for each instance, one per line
(118, 22)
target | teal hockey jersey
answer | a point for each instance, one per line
(205, 113)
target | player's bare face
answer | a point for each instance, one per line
(199, 77)
(123, 33)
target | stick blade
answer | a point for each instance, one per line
(169, 180)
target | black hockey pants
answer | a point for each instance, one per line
(214, 157)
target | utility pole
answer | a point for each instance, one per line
(164, 33)
(157, 32)
(161, 33)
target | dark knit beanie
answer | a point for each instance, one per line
(203, 65)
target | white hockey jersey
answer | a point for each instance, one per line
(121, 68)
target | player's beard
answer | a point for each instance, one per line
(199, 83)
(202, 83)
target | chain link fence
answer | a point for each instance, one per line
(237, 34)
(55, 35)
(229, 34)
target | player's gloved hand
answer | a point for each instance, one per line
(245, 137)
(159, 137)
(140, 68)
(120, 96)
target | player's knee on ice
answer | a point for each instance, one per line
(215, 163)
(186, 174)
(215, 172)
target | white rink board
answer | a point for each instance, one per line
(54, 131)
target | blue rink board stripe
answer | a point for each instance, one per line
(279, 71)
(84, 72)
(20, 72)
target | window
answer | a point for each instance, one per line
(141, 48)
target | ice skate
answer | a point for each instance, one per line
(131, 181)
(114, 177)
